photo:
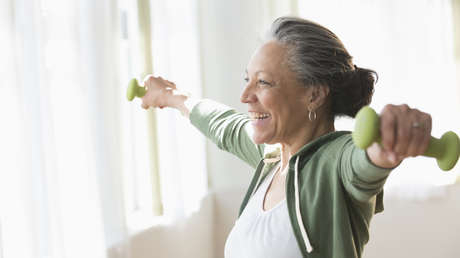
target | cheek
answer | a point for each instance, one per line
(290, 116)
(281, 108)
(271, 101)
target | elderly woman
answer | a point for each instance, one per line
(315, 195)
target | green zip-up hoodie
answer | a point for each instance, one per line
(332, 188)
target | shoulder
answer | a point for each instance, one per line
(336, 144)
(327, 157)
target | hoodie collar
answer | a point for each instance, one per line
(273, 152)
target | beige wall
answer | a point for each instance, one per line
(190, 238)
(417, 228)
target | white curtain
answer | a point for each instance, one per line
(410, 45)
(60, 171)
(176, 56)
(83, 170)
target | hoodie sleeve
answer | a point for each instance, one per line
(361, 178)
(229, 130)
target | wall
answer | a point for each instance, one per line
(418, 228)
(189, 238)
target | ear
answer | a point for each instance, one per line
(318, 97)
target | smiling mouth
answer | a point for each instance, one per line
(258, 116)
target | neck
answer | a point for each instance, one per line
(311, 132)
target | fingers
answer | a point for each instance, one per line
(145, 106)
(427, 136)
(421, 133)
(171, 84)
(404, 131)
(151, 80)
(158, 90)
(388, 128)
(148, 79)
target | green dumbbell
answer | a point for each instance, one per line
(446, 150)
(134, 90)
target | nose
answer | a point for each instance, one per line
(248, 96)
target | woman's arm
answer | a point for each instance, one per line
(361, 178)
(404, 132)
(229, 130)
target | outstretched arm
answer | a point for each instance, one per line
(404, 132)
(228, 129)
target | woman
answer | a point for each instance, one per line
(316, 194)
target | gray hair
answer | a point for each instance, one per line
(318, 57)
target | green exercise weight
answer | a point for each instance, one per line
(134, 90)
(446, 150)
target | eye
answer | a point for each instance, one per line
(246, 79)
(263, 82)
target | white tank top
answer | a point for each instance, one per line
(262, 234)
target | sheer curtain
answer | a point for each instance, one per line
(82, 170)
(60, 170)
(173, 52)
(176, 51)
(410, 45)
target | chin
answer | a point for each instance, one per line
(260, 139)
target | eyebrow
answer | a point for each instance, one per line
(260, 71)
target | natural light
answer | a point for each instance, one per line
(86, 173)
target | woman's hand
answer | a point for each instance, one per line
(159, 92)
(405, 132)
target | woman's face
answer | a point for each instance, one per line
(277, 102)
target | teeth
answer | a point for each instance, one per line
(257, 115)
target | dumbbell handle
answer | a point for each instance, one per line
(367, 125)
(134, 90)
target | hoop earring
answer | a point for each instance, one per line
(311, 115)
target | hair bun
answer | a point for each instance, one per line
(354, 92)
